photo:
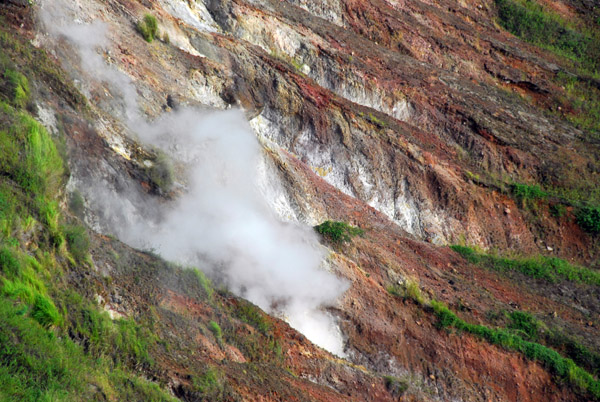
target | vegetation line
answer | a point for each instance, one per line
(551, 269)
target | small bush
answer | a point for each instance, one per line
(148, 27)
(589, 219)
(204, 283)
(338, 232)
(524, 192)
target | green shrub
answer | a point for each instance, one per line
(524, 192)
(148, 27)
(76, 203)
(338, 232)
(589, 219)
(558, 210)
(204, 283)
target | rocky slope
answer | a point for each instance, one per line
(424, 124)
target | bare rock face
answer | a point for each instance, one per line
(408, 119)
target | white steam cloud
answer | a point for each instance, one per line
(221, 223)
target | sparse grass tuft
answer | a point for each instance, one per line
(409, 289)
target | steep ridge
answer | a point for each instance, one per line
(414, 121)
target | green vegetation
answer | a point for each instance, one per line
(395, 386)
(524, 192)
(215, 329)
(252, 315)
(209, 384)
(204, 283)
(582, 101)
(525, 324)
(148, 28)
(558, 210)
(373, 119)
(338, 232)
(18, 87)
(563, 368)
(78, 242)
(589, 219)
(55, 346)
(540, 26)
(409, 289)
(530, 21)
(161, 173)
(550, 269)
(76, 203)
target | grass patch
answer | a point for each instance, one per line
(551, 269)
(215, 329)
(78, 242)
(338, 232)
(148, 28)
(17, 86)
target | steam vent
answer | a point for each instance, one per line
(295, 200)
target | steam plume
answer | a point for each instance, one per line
(221, 223)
